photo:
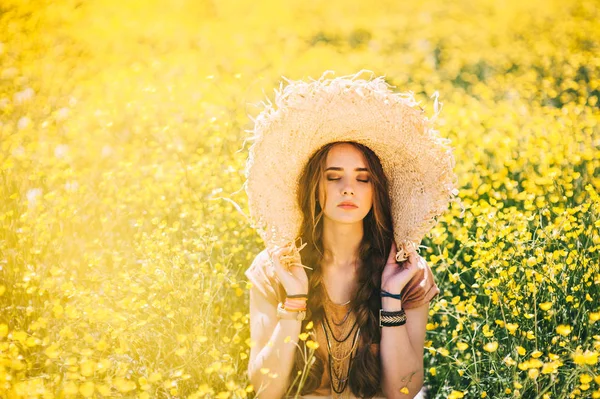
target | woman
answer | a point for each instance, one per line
(349, 167)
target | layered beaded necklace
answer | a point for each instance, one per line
(340, 357)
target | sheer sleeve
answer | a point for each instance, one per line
(421, 288)
(262, 276)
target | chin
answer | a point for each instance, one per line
(354, 217)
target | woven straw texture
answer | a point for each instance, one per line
(307, 115)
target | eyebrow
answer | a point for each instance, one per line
(338, 168)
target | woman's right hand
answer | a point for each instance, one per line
(289, 269)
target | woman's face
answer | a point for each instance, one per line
(346, 178)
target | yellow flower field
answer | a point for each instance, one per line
(123, 239)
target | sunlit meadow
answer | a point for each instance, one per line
(122, 127)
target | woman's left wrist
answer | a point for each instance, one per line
(391, 304)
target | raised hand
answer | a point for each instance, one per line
(396, 275)
(289, 269)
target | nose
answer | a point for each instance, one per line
(347, 190)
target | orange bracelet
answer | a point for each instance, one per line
(291, 305)
(294, 300)
(294, 309)
(294, 305)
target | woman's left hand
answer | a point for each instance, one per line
(395, 276)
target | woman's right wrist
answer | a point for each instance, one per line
(293, 313)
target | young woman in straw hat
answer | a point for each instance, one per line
(351, 169)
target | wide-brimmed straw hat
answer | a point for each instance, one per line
(417, 162)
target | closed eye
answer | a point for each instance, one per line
(362, 181)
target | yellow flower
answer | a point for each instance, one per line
(587, 357)
(404, 390)
(588, 297)
(491, 346)
(521, 351)
(456, 395)
(536, 353)
(509, 361)
(487, 332)
(545, 305)
(462, 346)
(87, 389)
(70, 388)
(533, 373)
(551, 367)
(87, 368)
(585, 378)
(103, 389)
(52, 351)
(312, 344)
(303, 336)
(563, 329)
(124, 385)
(432, 371)
(309, 325)
(512, 327)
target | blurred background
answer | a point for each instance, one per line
(123, 239)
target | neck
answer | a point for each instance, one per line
(341, 242)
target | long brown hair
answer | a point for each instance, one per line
(365, 371)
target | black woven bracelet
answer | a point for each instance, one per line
(395, 313)
(398, 318)
(388, 324)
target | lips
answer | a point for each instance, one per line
(347, 205)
